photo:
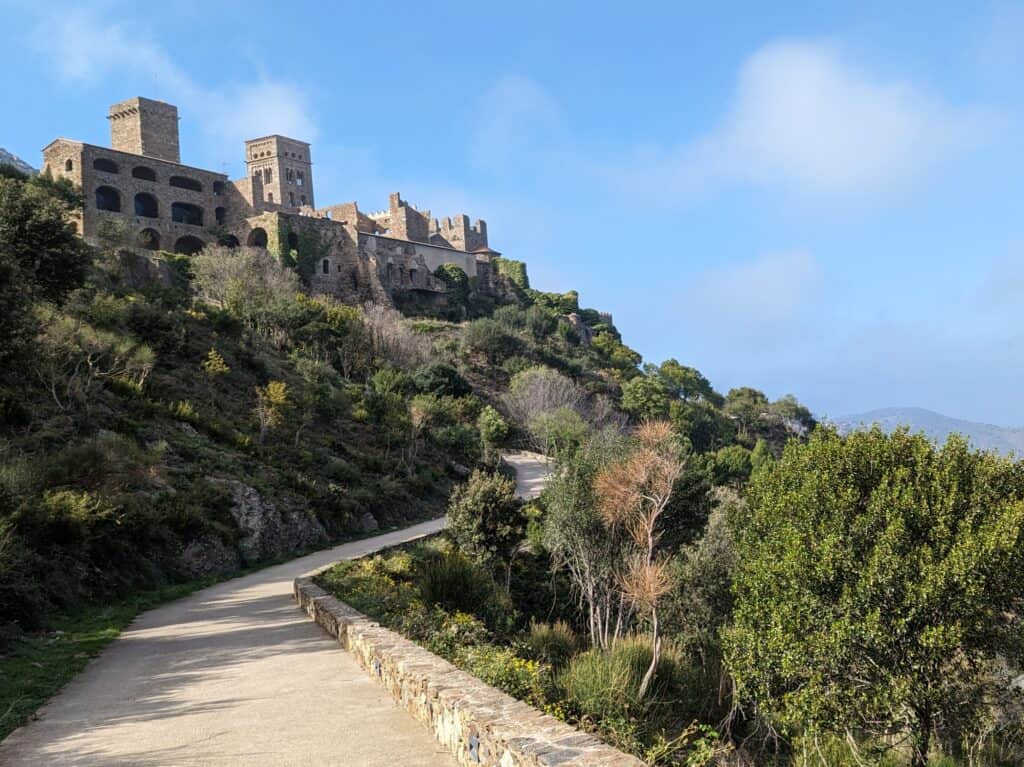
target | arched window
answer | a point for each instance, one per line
(412, 276)
(186, 213)
(293, 241)
(326, 266)
(270, 196)
(257, 175)
(148, 239)
(188, 245)
(303, 199)
(391, 273)
(68, 166)
(105, 165)
(257, 238)
(228, 241)
(146, 174)
(291, 198)
(219, 214)
(108, 198)
(146, 206)
(218, 187)
(268, 175)
(183, 182)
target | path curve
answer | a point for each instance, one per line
(231, 675)
(532, 472)
(236, 675)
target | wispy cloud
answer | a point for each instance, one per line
(84, 47)
(806, 120)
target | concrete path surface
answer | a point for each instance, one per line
(532, 471)
(231, 675)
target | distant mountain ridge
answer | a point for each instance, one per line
(937, 427)
(6, 158)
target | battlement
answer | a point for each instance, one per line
(146, 127)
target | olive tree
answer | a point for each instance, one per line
(878, 582)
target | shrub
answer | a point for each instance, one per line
(440, 379)
(455, 583)
(605, 684)
(486, 520)
(553, 644)
(489, 338)
(511, 316)
(500, 667)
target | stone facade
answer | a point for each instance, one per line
(138, 194)
(478, 724)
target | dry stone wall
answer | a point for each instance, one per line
(477, 723)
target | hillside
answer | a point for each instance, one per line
(937, 427)
(6, 158)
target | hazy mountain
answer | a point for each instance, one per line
(937, 426)
(6, 158)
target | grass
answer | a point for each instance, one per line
(37, 666)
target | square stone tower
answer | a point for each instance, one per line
(284, 167)
(146, 127)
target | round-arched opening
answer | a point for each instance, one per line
(188, 245)
(146, 174)
(68, 166)
(105, 165)
(220, 214)
(326, 266)
(293, 241)
(218, 187)
(257, 238)
(186, 213)
(146, 206)
(108, 198)
(228, 241)
(183, 182)
(148, 239)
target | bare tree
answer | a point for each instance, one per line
(393, 340)
(632, 494)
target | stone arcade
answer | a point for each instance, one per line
(138, 193)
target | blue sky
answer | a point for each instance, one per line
(800, 198)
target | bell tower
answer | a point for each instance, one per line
(284, 167)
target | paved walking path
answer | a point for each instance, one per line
(235, 674)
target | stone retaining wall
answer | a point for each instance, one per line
(477, 723)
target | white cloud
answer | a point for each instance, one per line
(806, 119)
(514, 115)
(747, 301)
(84, 47)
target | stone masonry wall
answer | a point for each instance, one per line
(478, 724)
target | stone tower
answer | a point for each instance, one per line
(146, 127)
(284, 168)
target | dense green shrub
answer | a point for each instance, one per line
(552, 643)
(455, 583)
(489, 338)
(486, 521)
(441, 379)
(604, 684)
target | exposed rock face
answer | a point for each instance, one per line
(368, 523)
(139, 271)
(265, 531)
(209, 556)
(6, 158)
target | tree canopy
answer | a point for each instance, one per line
(878, 581)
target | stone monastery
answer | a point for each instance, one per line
(138, 193)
